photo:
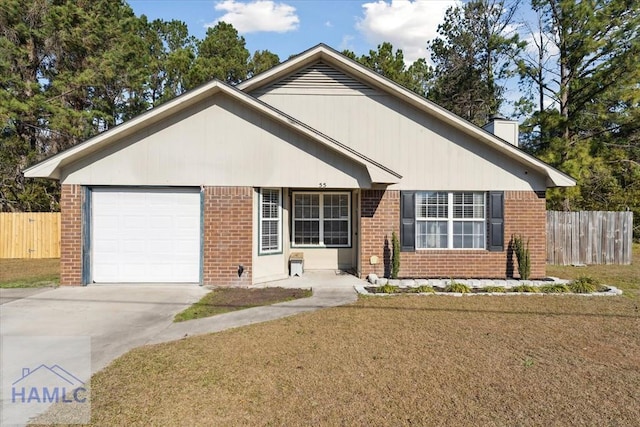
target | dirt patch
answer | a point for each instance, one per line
(224, 300)
(393, 361)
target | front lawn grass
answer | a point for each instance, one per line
(625, 277)
(223, 300)
(409, 360)
(29, 273)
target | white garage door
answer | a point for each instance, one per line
(145, 235)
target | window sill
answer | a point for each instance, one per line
(453, 250)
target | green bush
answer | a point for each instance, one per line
(494, 289)
(522, 254)
(395, 257)
(457, 287)
(554, 289)
(424, 289)
(525, 288)
(388, 289)
(584, 285)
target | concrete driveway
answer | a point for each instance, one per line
(12, 294)
(116, 317)
(110, 319)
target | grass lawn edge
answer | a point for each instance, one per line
(226, 300)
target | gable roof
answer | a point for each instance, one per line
(324, 53)
(51, 167)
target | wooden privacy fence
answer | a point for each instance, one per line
(589, 237)
(30, 235)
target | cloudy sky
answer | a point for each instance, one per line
(289, 27)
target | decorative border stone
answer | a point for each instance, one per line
(374, 280)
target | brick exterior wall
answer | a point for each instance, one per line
(228, 235)
(71, 198)
(524, 213)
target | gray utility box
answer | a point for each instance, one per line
(296, 264)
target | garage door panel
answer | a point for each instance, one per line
(162, 222)
(145, 235)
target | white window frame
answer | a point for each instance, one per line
(320, 219)
(262, 219)
(451, 220)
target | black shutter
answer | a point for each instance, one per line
(407, 221)
(496, 221)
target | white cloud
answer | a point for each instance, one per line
(257, 16)
(346, 43)
(533, 42)
(328, 24)
(408, 25)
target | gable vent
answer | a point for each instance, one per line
(319, 76)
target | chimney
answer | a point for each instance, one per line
(503, 128)
(25, 372)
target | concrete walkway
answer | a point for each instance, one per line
(330, 289)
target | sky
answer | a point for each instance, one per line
(289, 27)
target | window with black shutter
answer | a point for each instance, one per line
(496, 221)
(407, 221)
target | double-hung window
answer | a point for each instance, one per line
(450, 220)
(321, 219)
(270, 220)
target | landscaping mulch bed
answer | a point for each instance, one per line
(224, 300)
(415, 290)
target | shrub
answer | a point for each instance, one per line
(554, 289)
(522, 254)
(494, 289)
(395, 257)
(388, 289)
(584, 285)
(457, 287)
(525, 288)
(424, 289)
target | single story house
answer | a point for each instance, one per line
(319, 156)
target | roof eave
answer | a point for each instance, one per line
(50, 168)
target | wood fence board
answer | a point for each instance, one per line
(589, 237)
(30, 235)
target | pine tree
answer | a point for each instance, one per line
(472, 58)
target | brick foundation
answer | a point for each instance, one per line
(227, 235)
(524, 213)
(71, 198)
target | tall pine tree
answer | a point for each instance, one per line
(472, 58)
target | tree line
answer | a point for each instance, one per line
(72, 69)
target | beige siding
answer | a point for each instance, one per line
(326, 258)
(428, 153)
(272, 266)
(217, 143)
